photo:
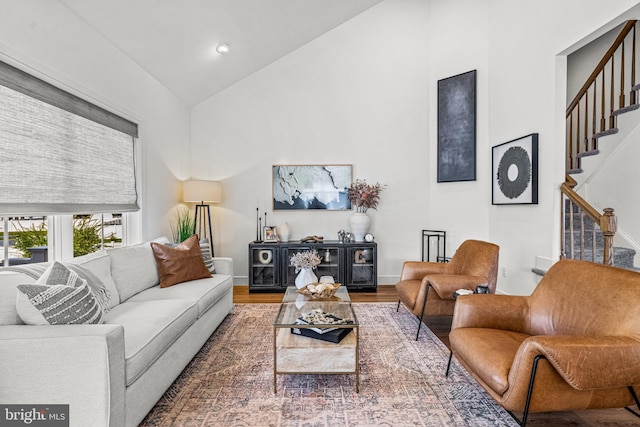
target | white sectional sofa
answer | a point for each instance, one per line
(111, 374)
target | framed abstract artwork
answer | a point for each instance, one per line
(306, 187)
(515, 171)
(457, 128)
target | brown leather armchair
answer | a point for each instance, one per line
(475, 263)
(574, 343)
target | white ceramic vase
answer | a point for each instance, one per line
(305, 277)
(359, 224)
(285, 232)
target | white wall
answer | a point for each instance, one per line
(357, 95)
(46, 39)
(365, 93)
(528, 94)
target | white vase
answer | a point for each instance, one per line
(285, 232)
(305, 277)
(359, 224)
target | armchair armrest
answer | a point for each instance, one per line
(78, 365)
(416, 270)
(224, 265)
(446, 284)
(508, 312)
(590, 362)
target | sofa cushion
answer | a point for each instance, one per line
(203, 292)
(59, 297)
(134, 269)
(9, 281)
(99, 263)
(179, 264)
(150, 327)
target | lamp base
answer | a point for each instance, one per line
(202, 224)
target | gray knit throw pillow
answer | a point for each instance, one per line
(63, 299)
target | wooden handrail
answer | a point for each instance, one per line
(583, 135)
(567, 190)
(603, 62)
(606, 221)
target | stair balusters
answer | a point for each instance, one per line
(612, 72)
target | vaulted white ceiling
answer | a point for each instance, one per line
(175, 40)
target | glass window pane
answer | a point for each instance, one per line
(113, 230)
(27, 240)
(94, 232)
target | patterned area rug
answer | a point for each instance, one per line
(402, 383)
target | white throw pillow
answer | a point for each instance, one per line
(99, 263)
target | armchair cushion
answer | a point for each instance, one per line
(502, 346)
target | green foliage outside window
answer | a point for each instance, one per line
(29, 237)
(86, 236)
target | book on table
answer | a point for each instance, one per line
(331, 334)
(334, 335)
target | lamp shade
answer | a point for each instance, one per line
(202, 191)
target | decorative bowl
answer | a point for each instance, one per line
(319, 290)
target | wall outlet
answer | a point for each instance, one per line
(504, 271)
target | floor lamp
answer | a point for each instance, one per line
(202, 193)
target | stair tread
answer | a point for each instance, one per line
(588, 153)
(611, 131)
(626, 109)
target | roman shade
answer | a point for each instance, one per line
(61, 154)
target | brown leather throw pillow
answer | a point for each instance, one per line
(179, 264)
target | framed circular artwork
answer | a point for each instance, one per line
(515, 171)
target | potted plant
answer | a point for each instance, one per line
(363, 197)
(183, 227)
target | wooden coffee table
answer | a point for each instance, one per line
(294, 354)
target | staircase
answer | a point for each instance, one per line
(589, 243)
(610, 91)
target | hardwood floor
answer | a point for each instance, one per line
(440, 325)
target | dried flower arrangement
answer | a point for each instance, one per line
(364, 196)
(307, 259)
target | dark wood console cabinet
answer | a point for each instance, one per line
(352, 264)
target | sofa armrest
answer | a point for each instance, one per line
(224, 265)
(507, 312)
(78, 365)
(590, 362)
(416, 270)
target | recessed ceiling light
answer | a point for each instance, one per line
(223, 47)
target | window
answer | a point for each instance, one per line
(24, 240)
(72, 178)
(28, 237)
(95, 232)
